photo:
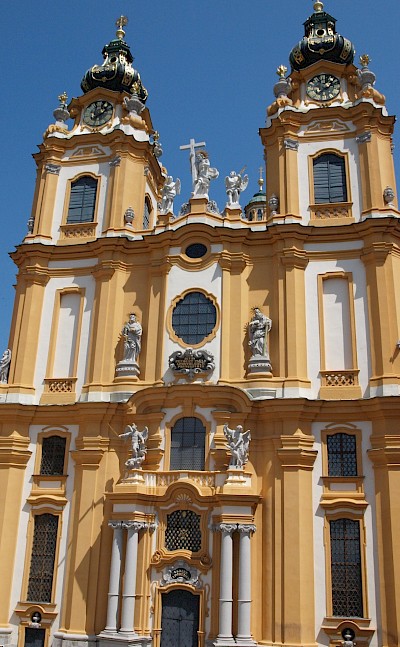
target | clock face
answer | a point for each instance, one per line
(323, 87)
(97, 113)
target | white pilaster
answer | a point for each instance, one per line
(244, 636)
(115, 574)
(225, 636)
(129, 592)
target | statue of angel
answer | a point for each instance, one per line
(238, 443)
(139, 449)
(169, 192)
(204, 173)
(235, 183)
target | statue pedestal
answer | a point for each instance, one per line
(133, 476)
(165, 218)
(233, 213)
(127, 368)
(260, 364)
(235, 476)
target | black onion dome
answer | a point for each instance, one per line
(116, 73)
(321, 41)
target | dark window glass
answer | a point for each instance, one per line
(346, 568)
(196, 250)
(42, 559)
(53, 455)
(146, 213)
(34, 637)
(187, 445)
(259, 214)
(194, 318)
(329, 179)
(183, 531)
(82, 200)
(342, 455)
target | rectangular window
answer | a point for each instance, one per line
(82, 200)
(329, 179)
(41, 572)
(347, 594)
(342, 454)
(34, 637)
(53, 456)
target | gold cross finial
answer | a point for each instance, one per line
(63, 97)
(121, 22)
(365, 60)
(281, 71)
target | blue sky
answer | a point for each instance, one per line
(208, 65)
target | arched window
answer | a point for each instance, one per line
(342, 455)
(146, 212)
(329, 179)
(259, 214)
(82, 201)
(53, 456)
(347, 598)
(41, 573)
(188, 437)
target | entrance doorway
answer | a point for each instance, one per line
(179, 619)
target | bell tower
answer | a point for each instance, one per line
(98, 184)
(328, 135)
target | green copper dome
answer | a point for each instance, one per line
(321, 41)
(116, 73)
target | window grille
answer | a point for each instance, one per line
(329, 179)
(53, 456)
(82, 200)
(146, 213)
(342, 455)
(34, 637)
(183, 531)
(42, 560)
(194, 318)
(346, 568)
(187, 444)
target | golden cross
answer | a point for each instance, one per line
(121, 22)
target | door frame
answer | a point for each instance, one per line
(158, 610)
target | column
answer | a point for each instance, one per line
(225, 587)
(129, 590)
(115, 574)
(244, 636)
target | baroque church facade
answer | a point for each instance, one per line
(199, 411)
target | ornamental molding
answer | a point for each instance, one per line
(246, 528)
(291, 144)
(116, 161)
(191, 362)
(364, 137)
(180, 572)
(53, 169)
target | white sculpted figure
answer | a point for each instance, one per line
(5, 366)
(204, 174)
(170, 190)
(132, 334)
(259, 327)
(138, 440)
(238, 443)
(235, 183)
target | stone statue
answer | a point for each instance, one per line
(259, 327)
(204, 174)
(238, 443)
(235, 183)
(170, 190)
(138, 440)
(5, 366)
(132, 334)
